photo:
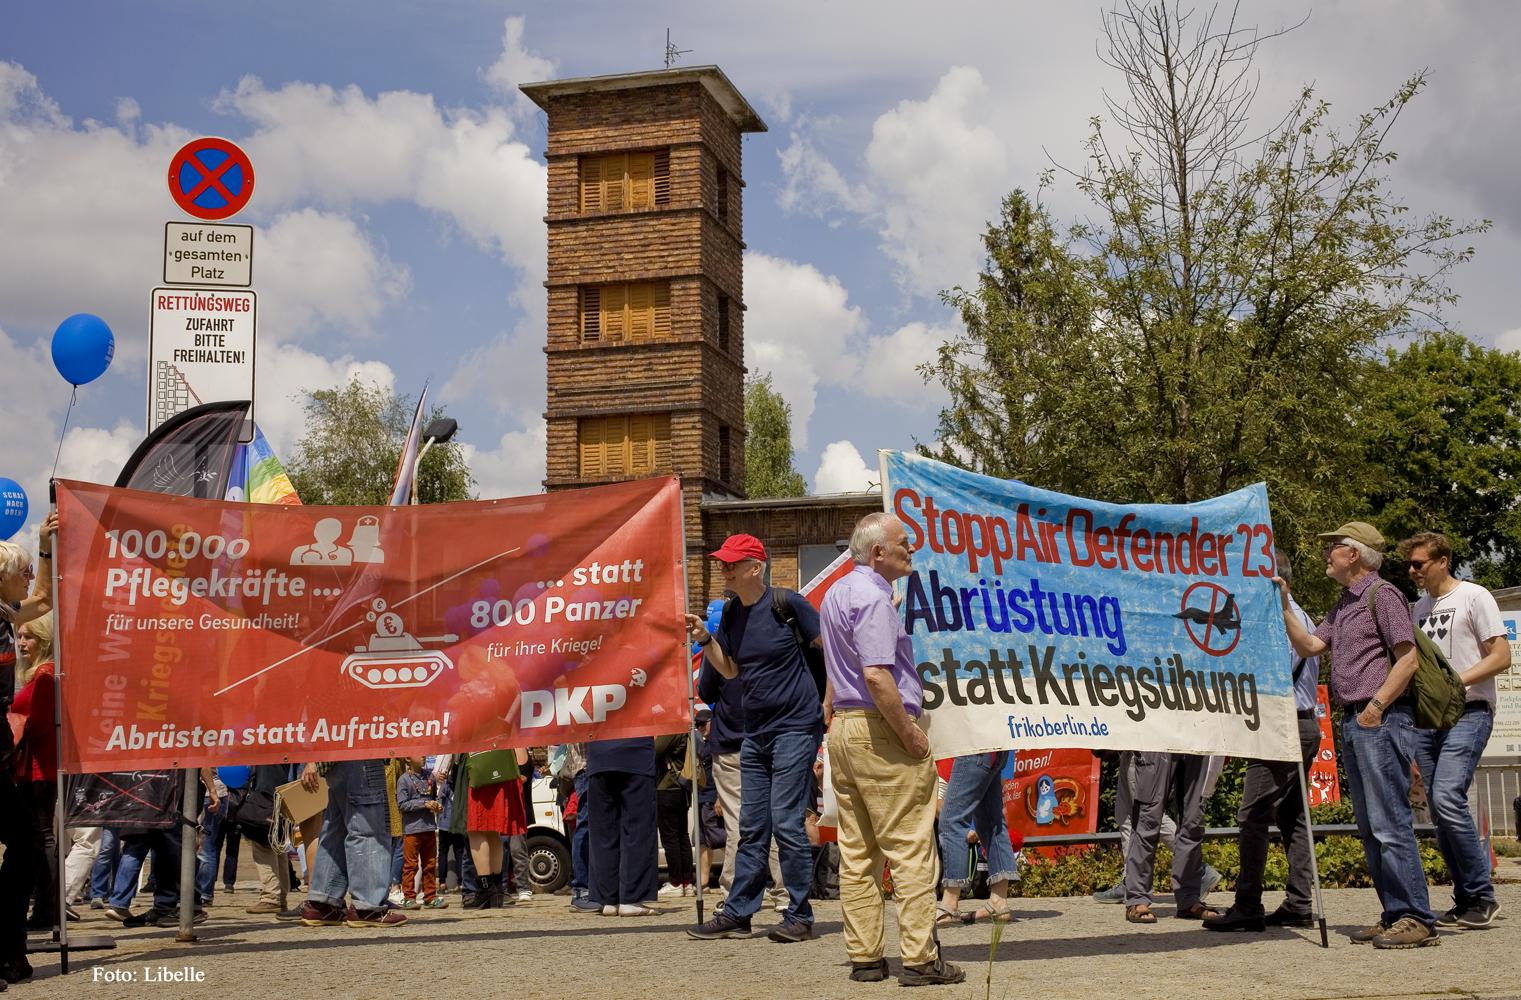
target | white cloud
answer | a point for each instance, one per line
(517, 65)
(95, 454)
(814, 185)
(799, 327)
(842, 470)
(515, 466)
(317, 270)
(286, 372)
(1510, 340)
(506, 375)
(890, 365)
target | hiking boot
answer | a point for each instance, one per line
(1236, 920)
(868, 972)
(791, 931)
(1368, 933)
(721, 926)
(321, 914)
(1114, 894)
(938, 973)
(1479, 916)
(1407, 932)
(384, 917)
(1289, 918)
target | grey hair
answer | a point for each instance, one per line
(1371, 559)
(13, 558)
(870, 532)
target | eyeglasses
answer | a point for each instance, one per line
(1334, 546)
(1420, 563)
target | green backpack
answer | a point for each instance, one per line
(1438, 691)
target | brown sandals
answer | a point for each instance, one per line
(1140, 914)
(1198, 911)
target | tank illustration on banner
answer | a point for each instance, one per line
(393, 657)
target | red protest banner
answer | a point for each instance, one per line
(1051, 792)
(200, 632)
(1324, 784)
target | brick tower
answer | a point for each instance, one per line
(646, 309)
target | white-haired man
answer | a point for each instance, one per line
(1371, 639)
(884, 779)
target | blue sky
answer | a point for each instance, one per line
(401, 187)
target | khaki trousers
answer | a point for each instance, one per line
(887, 811)
(725, 774)
(274, 873)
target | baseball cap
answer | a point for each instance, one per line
(738, 547)
(703, 715)
(1358, 531)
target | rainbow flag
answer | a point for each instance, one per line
(257, 476)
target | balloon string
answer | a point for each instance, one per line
(73, 396)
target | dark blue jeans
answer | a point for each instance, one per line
(103, 875)
(776, 789)
(1447, 759)
(1378, 774)
(578, 859)
(165, 845)
(207, 855)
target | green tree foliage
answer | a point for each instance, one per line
(1212, 320)
(353, 441)
(1444, 430)
(768, 443)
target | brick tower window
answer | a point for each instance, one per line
(618, 182)
(723, 195)
(630, 445)
(625, 313)
(725, 468)
(723, 323)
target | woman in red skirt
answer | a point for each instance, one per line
(493, 811)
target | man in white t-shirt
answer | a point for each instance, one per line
(1463, 620)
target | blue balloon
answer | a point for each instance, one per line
(13, 508)
(82, 348)
(715, 612)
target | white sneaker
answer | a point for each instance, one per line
(689, 890)
(668, 890)
(525, 895)
(634, 910)
(396, 897)
(609, 910)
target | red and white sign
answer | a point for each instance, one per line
(200, 349)
(210, 178)
(199, 632)
(1325, 786)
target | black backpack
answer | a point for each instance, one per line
(781, 607)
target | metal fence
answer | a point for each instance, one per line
(1492, 797)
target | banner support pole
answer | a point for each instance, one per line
(62, 930)
(1320, 903)
(694, 827)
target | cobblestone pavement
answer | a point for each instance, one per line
(1058, 948)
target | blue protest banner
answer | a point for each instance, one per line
(1045, 620)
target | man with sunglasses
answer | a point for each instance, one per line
(1378, 733)
(1463, 620)
(784, 724)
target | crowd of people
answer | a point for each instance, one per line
(783, 685)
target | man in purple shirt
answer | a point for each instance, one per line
(884, 779)
(1371, 666)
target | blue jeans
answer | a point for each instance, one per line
(354, 849)
(1378, 775)
(396, 859)
(578, 862)
(206, 856)
(974, 799)
(165, 845)
(103, 874)
(776, 789)
(1447, 759)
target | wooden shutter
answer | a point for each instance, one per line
(591, 183)
(614, 195)
(614, 313)
(592, 444)
(641, 434)
(641, 309)
(662, 177)
(641, 180)
(617, 447)
(660, 326)
(661, 450)
(591, 314)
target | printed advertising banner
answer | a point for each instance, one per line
(1041, 620)
(202, 632)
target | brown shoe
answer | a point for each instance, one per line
(1368, 933)
(1407, 932)
(1198, 911)
(264, 906)
(321, 914)
(383, 917)
(1140, 914)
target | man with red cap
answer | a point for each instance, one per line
(759, 641)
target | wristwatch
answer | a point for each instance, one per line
(1375, 703)
(703, 644)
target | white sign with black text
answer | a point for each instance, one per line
(200, 349)
(202, 253)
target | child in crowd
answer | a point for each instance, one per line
(418, 801)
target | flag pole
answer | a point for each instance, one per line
(1320, 903)
(694, 827)
(58, 849)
